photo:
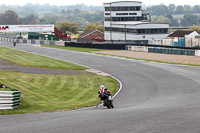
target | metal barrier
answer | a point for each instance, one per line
(9, 99)
(176, 51)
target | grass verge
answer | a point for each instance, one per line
(5, 89)
(33, 60)
(89, 50)
(46, 93)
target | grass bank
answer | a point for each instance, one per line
(50, 92)
(33, 60)
(46, 93)
(5, 89)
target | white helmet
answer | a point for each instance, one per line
(101, 86)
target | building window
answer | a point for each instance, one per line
(107, 19)
(138, 8)
(126, 18)
(132, 8)
(107, 9)
(131, 30)
(138, 31)
(165, 30)
(132, 13)
(152, 31)
(121, 13)
(107, 13)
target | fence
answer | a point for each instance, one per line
(9, 99)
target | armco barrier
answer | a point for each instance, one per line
(176, 51)
(9, 99)
(98, 46)
(24, 41)
(138, 48)
(28, 42)
(197, 52)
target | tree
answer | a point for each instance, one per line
(171, 8)
(179, 9)
(187, 9)
(49, 18)
(30, 19)
(77, 12)
(196, 9)
(69, 11)
(173, 21)
(189, 20)
(10, 17)
(66, 26)
(195, 28)
(63, 11)
(94, 26)
(159, 10)
(161, 19)
(0, 18)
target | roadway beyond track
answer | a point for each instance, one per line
(155, 98)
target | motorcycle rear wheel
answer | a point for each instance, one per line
(107, 103)
(111, 104)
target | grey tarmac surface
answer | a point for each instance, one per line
(155, 98)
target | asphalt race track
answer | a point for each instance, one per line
(155, 98)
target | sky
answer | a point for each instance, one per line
(98, 2)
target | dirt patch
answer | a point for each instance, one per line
(183, 59)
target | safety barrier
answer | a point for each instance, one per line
(9, 99)
(144, 47)
(137, 48)
(176, 51)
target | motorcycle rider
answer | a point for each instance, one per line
(104, 90)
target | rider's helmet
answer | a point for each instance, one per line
(101, 86)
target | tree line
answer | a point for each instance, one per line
(82, 15)
(162, 9)
(47, 14)
(12, 18)
(176, 16)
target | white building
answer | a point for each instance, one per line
(125, 22)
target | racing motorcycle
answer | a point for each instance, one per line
(107, 100)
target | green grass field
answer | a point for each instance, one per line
(5, 89)
(46, 93)
(32, 60)
(50, 92)
(75, 48)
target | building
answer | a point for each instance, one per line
(42, 36)
(125, 22)
(183, 38)
(91, 36)
(56, 35)
(184, 34)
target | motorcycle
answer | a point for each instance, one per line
(107, 101)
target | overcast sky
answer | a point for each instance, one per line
(98, 2)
